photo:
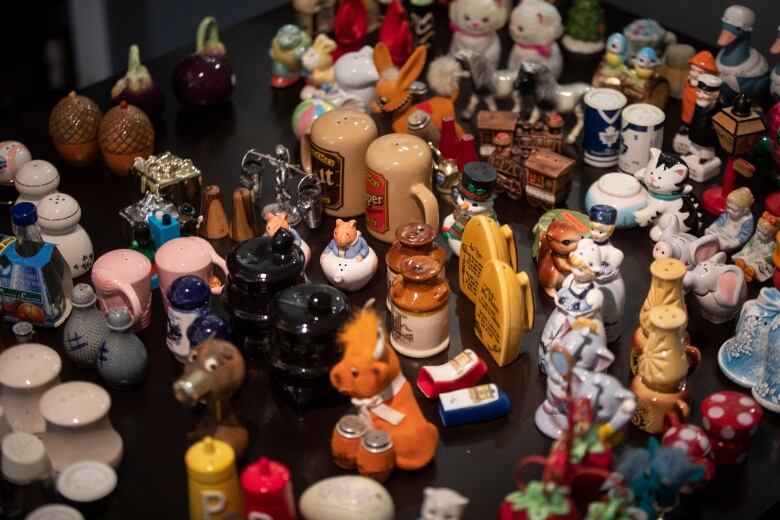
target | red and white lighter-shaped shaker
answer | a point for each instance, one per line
(267, 491)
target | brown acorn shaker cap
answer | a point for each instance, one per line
(75, 120)
(126, 129)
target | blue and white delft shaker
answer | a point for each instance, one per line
(208, 326)
(743, 357)
(122, 358)
(188, 298)
(86, 329)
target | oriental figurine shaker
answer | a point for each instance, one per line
(86, 329)
(660, 384)
(665, 289)
(420, 308)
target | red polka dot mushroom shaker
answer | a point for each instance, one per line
(731, 420)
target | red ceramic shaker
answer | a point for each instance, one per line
(731, 420)
(692, 440)
(267, 491)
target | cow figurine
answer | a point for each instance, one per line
(371, 375)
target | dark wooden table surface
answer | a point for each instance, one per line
(476, 460)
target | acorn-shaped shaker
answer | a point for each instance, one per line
(125, 133)
(73, 125)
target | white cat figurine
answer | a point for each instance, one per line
(667, 195)
(442, 504)
(356, 76)
(534, 26)
(474, 24)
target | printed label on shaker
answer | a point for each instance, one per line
(328, 166)
(377, 209)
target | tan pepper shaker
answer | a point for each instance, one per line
(665, 289)
(661, 381)
(338, 142)
(398, 185)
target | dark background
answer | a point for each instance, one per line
(477, 460)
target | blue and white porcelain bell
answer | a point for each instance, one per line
(743, 357)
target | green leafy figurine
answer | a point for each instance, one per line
(585, 27)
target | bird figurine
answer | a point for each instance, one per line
(742, 68)
(645, 63)
(617, 49)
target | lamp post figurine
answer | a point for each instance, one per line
(738, 128)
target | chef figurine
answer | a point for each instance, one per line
(701, 160)
(755, 259)
(578, 297)
(701, 63)
(734, 227)
(610, 281)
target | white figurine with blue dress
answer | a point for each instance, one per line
(735, 226)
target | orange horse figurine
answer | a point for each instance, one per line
(371, 374)
(392, 95)
(560, 239)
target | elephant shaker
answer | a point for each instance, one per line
(720, 289)
(574, 369)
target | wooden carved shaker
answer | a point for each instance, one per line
(215, 221)
(214, 371)
(412, 239)
(243, 226)
(665, 289)
(661, 382)
(420, 308)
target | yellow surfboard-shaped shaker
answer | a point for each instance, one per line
(483, 240)
(505, 310)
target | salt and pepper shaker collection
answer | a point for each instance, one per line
(314, 350)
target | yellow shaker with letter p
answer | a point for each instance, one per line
(212, 482)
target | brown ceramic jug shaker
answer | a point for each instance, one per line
(338, 142)
(412, 239)
(398, 185)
